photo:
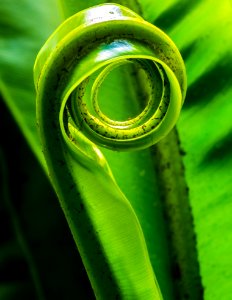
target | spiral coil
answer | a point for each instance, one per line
(98, 40)
(92, 44)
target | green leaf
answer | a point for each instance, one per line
(205, 131)
(24, 27)
(76, 50)
(202, 31)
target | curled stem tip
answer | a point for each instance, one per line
(91, 44)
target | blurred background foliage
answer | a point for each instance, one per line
(38, 258)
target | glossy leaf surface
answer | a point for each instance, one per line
(202, 31)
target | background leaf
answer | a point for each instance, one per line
(202, 30)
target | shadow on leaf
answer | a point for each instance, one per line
(173, 15)
(211, 83)
(221, 151)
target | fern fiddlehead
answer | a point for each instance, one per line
(103, 223)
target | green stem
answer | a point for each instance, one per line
(167, 156)
(103, 223)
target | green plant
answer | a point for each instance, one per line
(102, 220)
(204, 131)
